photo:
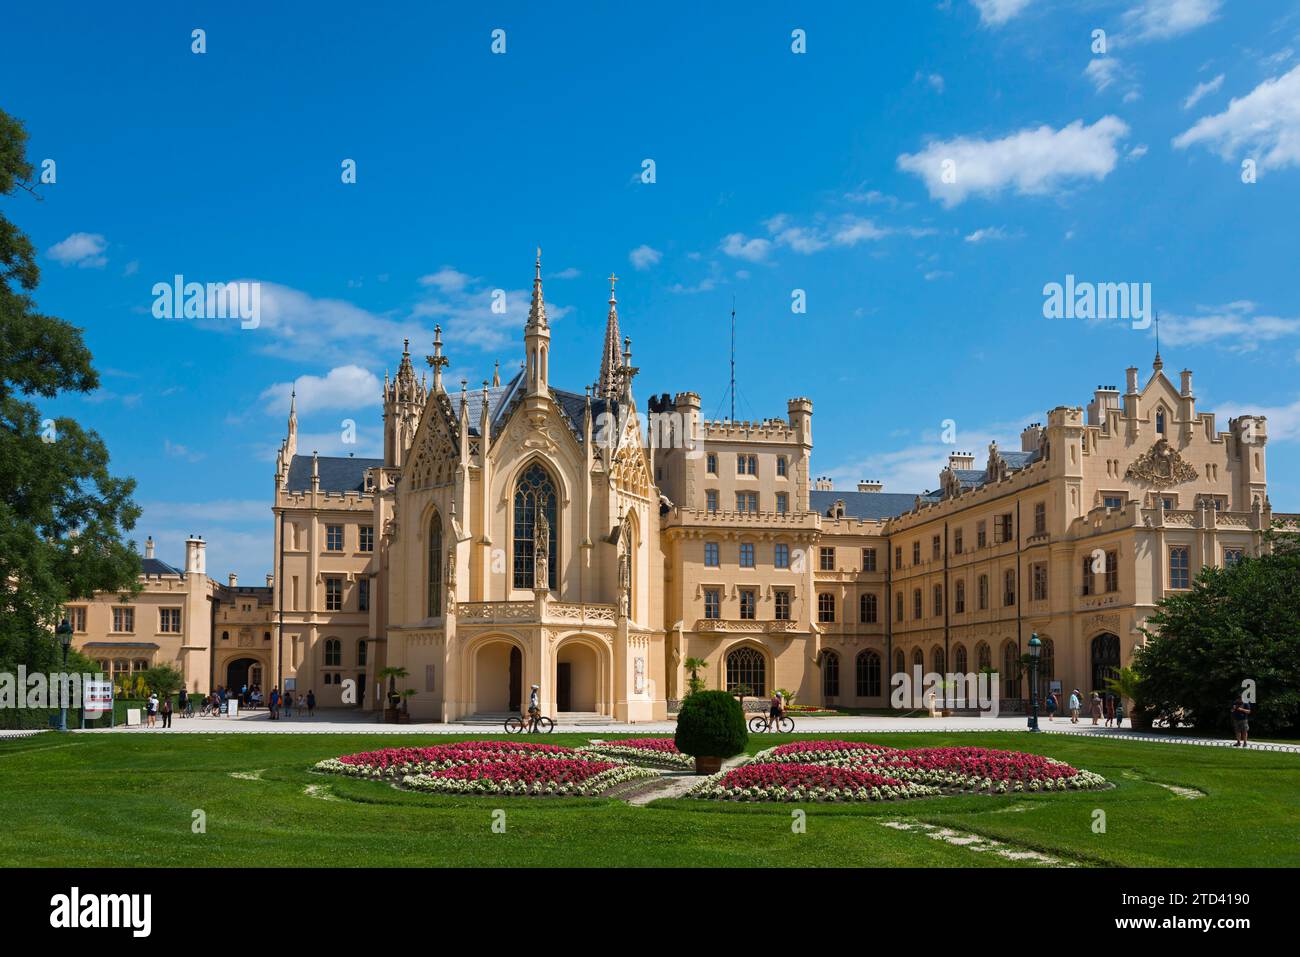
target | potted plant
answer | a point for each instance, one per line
(404, 716)
(711, 728)
(392, 673)
(1127, 683)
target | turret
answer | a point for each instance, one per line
(537, 339)
(404, 398)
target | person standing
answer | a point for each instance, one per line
(183, 703)
(1096, 708)
(167, 711)
(311, 703)
(1241, 722)
(274, 703)
(1074, 706)
(288, 703)
(151, 709)
(1119, 711)
(1051, 706)
(1109, 709)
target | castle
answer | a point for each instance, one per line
(521, 534)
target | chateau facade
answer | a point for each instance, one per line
(519, 534)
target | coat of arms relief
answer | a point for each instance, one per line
(1161, 466)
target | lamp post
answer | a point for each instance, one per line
(64, 631)
(1035, 649)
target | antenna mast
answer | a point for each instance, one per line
(733, 357)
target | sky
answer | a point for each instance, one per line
(883, 190)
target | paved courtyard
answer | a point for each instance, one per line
(351, 722)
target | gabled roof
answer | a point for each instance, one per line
(337, 473)
(867, 506)
(158, 567)
(502, 399)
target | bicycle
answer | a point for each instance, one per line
(210, 710)
(784, 724)
(536, 724)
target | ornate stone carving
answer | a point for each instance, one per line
(1161, 467)
(541, 545)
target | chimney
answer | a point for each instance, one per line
(872, 486)
(1187, 381)
(148, 547)
(961, 460)
(1032, 437)
(270, 581)
(234, 580)
(1132, 380)
(196, 560)
(823, 484)
(1106, 397)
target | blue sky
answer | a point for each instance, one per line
(775, 171)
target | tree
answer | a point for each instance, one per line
(1237, 631)
(695, 683)
(62, 514)
(163, 679)
(712, 724)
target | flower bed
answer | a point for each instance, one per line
(787, 773)
(645, 752)
(805, 782)
(532, 776)
(396, 763)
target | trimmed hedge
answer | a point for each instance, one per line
(711, 724)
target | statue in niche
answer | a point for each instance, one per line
(541, 549)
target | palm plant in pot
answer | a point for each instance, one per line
(711, 728)
(1127, 683)
(404, 716)
(392, 673)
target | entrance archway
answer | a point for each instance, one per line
(498, 677)
(243, 671)
(1105, 660)
(577, 677)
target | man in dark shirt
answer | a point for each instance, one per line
(1241, 722)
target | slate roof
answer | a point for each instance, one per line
(157, 567)
(868, 506)
(337, 473)
(502, 399)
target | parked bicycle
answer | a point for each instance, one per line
(530, 724)
(759, 724)
(210, 709)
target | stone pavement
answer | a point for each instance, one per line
(352, 722)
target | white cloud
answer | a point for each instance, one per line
(1162, 19)
(177, 451)
(345, 387)
(1263, 124)
(1234, 326)
(1137, 152)
(85, 250)
(989, 233)
(994, 13)
(446, 279)
(738, 246)
(1203, 90)
(935, 80)
(643, 257)
(1103, 71)
(1031, 161)
(704, 285)
(132, 268)
(572, 272)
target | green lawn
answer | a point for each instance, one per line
(114, 800)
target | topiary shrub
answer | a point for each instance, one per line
(711, 723)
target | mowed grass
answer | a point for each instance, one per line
(129, 800)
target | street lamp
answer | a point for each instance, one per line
(64, 631)
(1035, 649)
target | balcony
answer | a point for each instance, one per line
(526, 613)
(745, 626)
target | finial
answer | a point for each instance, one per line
(496, 374)
(406, 347)
(612, 279)
(538, 274)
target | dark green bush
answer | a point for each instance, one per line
(711, 724)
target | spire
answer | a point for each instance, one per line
(1159, 363)
(537, 311)
(291, 440)
(437, 361)
(496, 375)
(607, 386)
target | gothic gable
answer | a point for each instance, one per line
(435, 453)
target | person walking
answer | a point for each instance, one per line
(1109, 711)
(288, 703)
(1241, 722)
(151, 709)
(274, 703)
(167, 711)
(311, 703)
(1119, 711)
(1074, 706)
(1096, 708)
(1051, 706)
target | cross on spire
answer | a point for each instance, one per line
(437, 361)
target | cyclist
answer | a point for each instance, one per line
(775, 709)
(534, 708)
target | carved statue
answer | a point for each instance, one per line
(541, 550)
(451, 568)
(1161, 466)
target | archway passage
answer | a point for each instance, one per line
(1105, 660)
(577, 678)
(498, 678)
(241, 672)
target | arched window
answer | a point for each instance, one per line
(535, 505)
(937, 662)
(830, 674)
(1105, 660)
(435, 566)
(959, 597)
(983, 657)
(1160, 422)
(868, 674)
(918, 658)
(1046, 665)
(333, 653)
(747, 669)
(1010, 671)
(959, 659)
(361, 652)
(140, 664)
(867, 609)
(900, 662)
